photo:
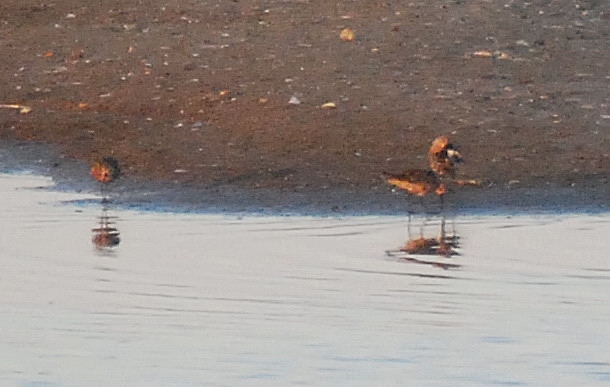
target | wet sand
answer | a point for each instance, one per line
(188, 299)
(196, 94)
(72, 175)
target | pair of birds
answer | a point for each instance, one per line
(443, 158)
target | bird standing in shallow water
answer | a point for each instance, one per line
(443, 157)
(105, 171)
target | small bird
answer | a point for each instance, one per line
(443, 157)
(106, 170)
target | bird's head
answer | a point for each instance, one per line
(453, 154)
(441, 147)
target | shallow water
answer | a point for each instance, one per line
(188, 299)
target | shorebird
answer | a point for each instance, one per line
(443, 157)
(106, 170)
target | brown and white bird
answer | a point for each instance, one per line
(443, 157)
(105, 171)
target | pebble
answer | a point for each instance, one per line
(347, 35)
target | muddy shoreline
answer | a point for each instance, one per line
(193, 99)
(174, 196)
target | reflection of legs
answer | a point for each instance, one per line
(106, 235)
(425, 215)
(453, 226)
(443, 215)
(104, 218)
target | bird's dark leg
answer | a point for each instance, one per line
(453, 225)
(409, 215)
(421, 204)
(104, 219)
(103, 193)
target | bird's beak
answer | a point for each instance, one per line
(454, 155)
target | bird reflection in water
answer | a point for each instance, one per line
(106, 236)
(444, 245)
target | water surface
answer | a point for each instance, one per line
(195, 299)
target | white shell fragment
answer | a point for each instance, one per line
(294, 100)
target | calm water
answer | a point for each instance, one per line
(212, 300)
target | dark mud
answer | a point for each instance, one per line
(192, 97)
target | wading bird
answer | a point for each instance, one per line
(105, 171)
(106, 235)
(443, 157)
